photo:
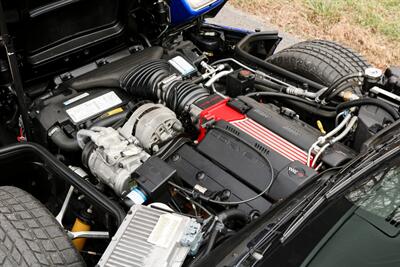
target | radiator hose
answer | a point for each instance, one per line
(70, 144)
(372, 102)
(61, 140)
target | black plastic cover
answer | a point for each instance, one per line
(250, 168)
(371, 120)
(196, 169)
(152, 177)
(109, 75)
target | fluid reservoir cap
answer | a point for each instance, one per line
(373, 73)
(245, 75)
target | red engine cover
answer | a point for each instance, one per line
(217, 109)
(216, 112)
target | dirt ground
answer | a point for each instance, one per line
(312, 19)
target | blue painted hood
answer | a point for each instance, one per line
(182, 11)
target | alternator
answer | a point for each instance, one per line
(154, 125)
(111, 156)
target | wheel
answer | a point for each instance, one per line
(30, 235)
(321, 61)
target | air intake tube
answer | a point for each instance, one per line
(155, 80)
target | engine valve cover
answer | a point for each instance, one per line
(245, 129)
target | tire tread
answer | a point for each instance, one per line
(320, 60)
(30, 235)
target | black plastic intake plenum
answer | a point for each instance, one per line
(151, 81)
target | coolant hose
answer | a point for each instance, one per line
(270, 84)
(289, 97)
(232, 214)
(110, 120)
(337, 83)
(61, 140)
(279, 95)
(68, 144)
(262, 88)
(60, 170)
(313, 110)
(369, 102)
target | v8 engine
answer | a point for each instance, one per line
(242, 148)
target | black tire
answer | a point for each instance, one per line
(30, 235)
(321, 61)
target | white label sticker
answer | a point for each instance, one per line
(165, 230)
(74, 99)
(182, 65)
(93, 107)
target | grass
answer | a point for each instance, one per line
(371, 27)
(328, 9)
(382, 16)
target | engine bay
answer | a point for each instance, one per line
(191, 133)
(222, 139)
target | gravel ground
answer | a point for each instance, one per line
(233, 17)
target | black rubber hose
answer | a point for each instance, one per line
(335, 93)
(68, 144)
(60, 170)
(369, 102)
(262, 88)
(313, 110)
(240, 52)
(339, 82)
(270, 84)
(287, 97)
(232, 214)
(278, 95)
(61, 140)
(110, 120)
